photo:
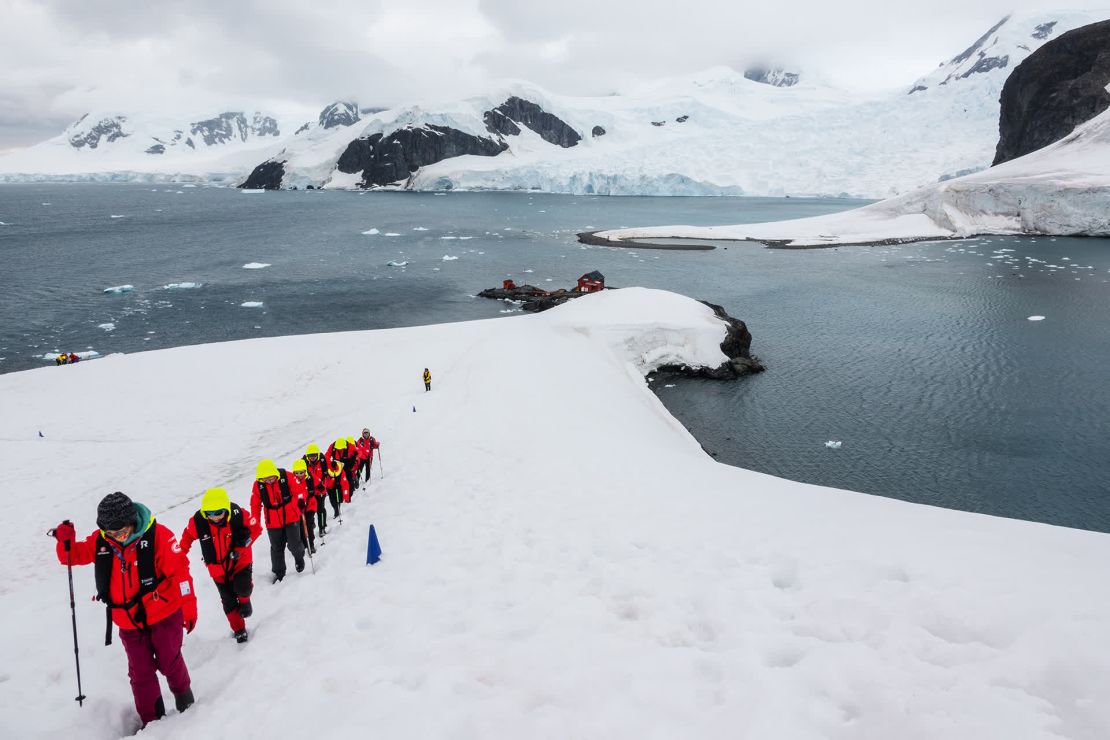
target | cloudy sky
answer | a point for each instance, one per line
(62, 58)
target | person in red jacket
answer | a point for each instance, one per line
(317, 487)
(366, 445)
(272, 491)
(347, 455)
(299, 484)
(338, 490)
(225, 533)
(143, 579)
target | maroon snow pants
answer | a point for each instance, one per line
(155, 649)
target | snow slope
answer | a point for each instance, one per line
(711, 133)
(561, 557)
(1062, 189)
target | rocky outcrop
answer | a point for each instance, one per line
(736, 347)
(156, 149)
(383, 160)
(551, 128)
(1058, 87)
(597, 131)
(233, 125)
(775, 76)
(266, 176)
(109, 129)
(339, 113)
(498, 123)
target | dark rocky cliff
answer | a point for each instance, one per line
(504, 119)
(392, 158)
(266, 176)
(1058, 87)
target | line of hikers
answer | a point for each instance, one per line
(142, 570)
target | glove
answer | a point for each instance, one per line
(189, 611)
(64, 533)
(301, 504)
(233, 555)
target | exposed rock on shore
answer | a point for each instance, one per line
(1060, 86)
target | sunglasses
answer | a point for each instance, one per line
(220, 514)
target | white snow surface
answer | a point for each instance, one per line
(1062, 189)
(738, 136)
(597, 577)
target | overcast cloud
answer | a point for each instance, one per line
(62, 58)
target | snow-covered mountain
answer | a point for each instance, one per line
(1059, 189)
(765, 131)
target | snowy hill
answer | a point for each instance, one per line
(599, 576)
(767, 131)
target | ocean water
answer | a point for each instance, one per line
(920, 359)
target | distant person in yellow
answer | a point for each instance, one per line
(427, 379)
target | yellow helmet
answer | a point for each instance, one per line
(215, 499)
(300, 466)
(341, 443)
(266, 468)
(313, 449)
(350, 440)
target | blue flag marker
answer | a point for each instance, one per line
(373, 549)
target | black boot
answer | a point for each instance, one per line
(184, 700)
(278, 578)
(241, 636)
(300, 566)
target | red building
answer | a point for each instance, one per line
(591, 282)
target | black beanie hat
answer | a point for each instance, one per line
(115, 511)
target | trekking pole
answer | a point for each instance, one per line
(307, 545)
(381, 469)
(80, 699)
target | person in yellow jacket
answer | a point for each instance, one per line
(427, 379)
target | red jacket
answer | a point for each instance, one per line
(300, 488)
(366, 448)
(278, 515)
(348, 456)
(316, 476)
(175, 591)
(344, 487)
(221, 541)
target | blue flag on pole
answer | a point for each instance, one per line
(373, 549)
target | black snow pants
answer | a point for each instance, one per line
(280, 538)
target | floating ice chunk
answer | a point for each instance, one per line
(255, 265)
(4, 224)
(117, 215)
(529, 270)
(833, 444)
(182, 286)
(251, 304)
(371, 232)
(248, 191)
(106, 326)
(669, 385)
(118, 289)
(449, 237)
(464, 238)
(1036, 318)
(419, 228)
(397, 263)
(391, 233)
(449, 258)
